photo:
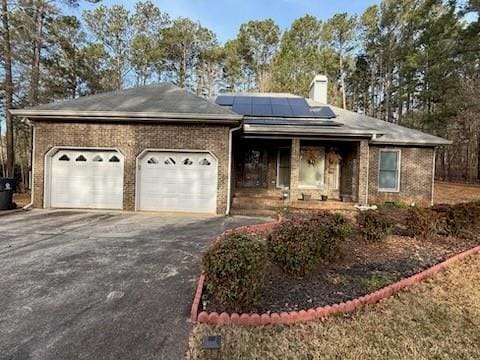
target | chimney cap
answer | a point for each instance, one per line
(319, 78)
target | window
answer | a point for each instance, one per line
(114, 159)
(389, 170)
(97, 158)
(152, 160)
(81, 158)
(169, 161)
(64, 157)
(204, 162)
(312, 167)
(187, 161)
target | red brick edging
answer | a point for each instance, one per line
(245, 229)
(320, 312)
(313, 313)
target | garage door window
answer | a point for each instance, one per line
(205, 162)
(114, 159)
(169, 161)
(152, 160)
(97, 158)
(64, 157)
(81, 158)
(187, 161)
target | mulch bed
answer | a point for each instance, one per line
(360, 269)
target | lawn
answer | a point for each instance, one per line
(437, 319)
(451, 193)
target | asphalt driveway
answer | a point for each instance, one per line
(97, 285)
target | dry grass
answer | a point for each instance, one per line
(438, 319)
(21, 199)
(451, 193)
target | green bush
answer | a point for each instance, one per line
(421, 223)
(374, 226)
(234, 269)
(298, 244)
(457, 219)
(335, 228)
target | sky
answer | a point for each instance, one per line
(225, 17)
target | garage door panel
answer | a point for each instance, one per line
(183, 181)
(96, 182)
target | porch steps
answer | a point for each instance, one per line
(254, 212)
(264, 205)
(257, 202)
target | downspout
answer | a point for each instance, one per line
(229, 182)
(433, 173)
(32, 177)
(374, 136)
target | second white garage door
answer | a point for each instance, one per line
(177, 181)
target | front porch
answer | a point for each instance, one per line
(269, 174)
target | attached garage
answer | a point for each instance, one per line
(84, 178)
(177, 181)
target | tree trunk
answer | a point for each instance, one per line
(342, 83)
(7, 50)
(37, 47)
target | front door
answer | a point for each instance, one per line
(283, 168)
(253, 168)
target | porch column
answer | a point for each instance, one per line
(294, 169)
(362, 171)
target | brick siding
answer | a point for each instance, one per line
(131, 140)
(415, 175)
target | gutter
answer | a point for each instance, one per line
(121, 115)
(433, 174)
(32, 179)
(229, 177)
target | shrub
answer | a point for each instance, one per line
(394, 205)
(374, 226)
(421, 223)
(234, 269)
(298, 244)
(457, 219)
(335, 228)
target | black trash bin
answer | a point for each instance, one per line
(7, 187)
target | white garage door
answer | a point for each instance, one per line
(86, 179)
(177, 181)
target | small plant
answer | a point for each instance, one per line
(421, 223)
(394, 205)
(234, 269)
(299, 243)
(373, 226)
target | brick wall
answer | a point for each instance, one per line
(131, 140)
(415, 176)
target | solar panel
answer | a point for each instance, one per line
(242, 109)
(262, 109)
(323, 112)
(224, 100)
(266, 106)
(261, 100)
(282, 110)
(242, 100)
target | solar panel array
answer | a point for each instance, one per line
(264, 106)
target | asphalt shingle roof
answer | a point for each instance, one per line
(159, 98)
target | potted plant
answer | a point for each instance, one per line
(324, 197)
(306, 197)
